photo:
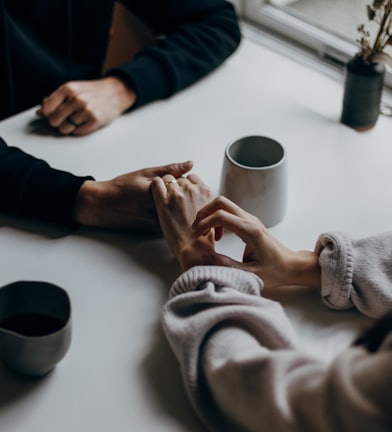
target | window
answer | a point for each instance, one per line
(340, 17)
(326, 28)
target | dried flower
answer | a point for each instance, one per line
(380, 13)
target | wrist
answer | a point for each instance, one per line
(305, 270)
(87, 203)
(126, 95)
(194, 253)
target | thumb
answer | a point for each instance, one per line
(175, 169)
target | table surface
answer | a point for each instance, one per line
(119, 373)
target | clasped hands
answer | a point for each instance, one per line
(192, 221)
(163, 199)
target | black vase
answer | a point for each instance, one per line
(362, 93)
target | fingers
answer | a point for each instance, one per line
(52, 103)
(65, 113)
(195, 179)
(70, 125)
(191, 179)
(78, 118)
(62, 111)
(222, 214)
(219, 203)
(87, 127)
(67, 110)
(171, 181)
(158, 189)
(169, 175)
(174, 169)
(177, 169)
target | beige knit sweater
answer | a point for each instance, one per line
(240, 358)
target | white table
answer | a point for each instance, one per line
(119, 374)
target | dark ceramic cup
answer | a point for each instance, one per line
(35, 326)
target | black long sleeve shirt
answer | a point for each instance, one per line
(29, 187)
(44, 43)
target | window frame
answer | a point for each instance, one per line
(322, 43)
(326, 46)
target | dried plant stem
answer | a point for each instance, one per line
(382, 37)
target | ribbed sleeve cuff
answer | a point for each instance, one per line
(337, 269)
(195, 278)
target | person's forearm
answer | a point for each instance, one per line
(196, 37)
(305, 270)
(29, 187)
(86, 199)
(95, 205)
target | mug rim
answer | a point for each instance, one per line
(64, 299)
(253, 168)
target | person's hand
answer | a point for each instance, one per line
(264, 254)
(81, 107)
(124, 202)
(177, 202)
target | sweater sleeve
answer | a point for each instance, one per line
(356, 273)
(244, 370)
(194, 37)
(29, 187)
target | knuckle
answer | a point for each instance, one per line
(220, 199)
(69, 90)
(63, 130)
(254, 230)
(83, 105)
(220, 214)
(93, 119)
(208, 192)
(54, 120)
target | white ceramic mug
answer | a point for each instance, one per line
(254, 176)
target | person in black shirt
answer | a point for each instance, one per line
(52, 54)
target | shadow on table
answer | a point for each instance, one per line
(40, 126)
(31, 226)
(161, 371)
(309, 307)
(15, 387)
(160, 368)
